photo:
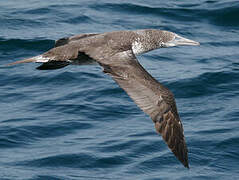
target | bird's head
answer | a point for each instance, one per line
(171, 39)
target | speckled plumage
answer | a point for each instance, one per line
(115, 52)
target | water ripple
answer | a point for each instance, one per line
(76, 123)
(213, 82)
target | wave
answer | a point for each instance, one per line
(224, 14)
(25, 44)
(205, 84)
(26, 135)
(79, 160)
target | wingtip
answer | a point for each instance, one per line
(186, 165)
(184, 161)
(182, 154)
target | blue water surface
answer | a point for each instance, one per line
(76, 123)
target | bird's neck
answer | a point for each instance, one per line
(143, 44)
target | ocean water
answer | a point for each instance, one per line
(76, 123)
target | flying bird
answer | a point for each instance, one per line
(116, 53)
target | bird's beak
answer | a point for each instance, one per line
(179, 41)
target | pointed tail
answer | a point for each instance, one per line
(47, 64)
(39, 59)
(22, 61)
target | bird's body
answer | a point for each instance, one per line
(116, 53)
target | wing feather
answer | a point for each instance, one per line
(66, 40)
(152, 97)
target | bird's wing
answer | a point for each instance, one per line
(67, 50)
(57, 57)
(66, 40)
(153, 98)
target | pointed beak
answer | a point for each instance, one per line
(179, 41)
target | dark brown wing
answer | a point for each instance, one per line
(66, 40)
(153, 98)
(59, 56)
(70, 49)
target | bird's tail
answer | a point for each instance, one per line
(37, 59)
(47, 64)
(21, 61)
